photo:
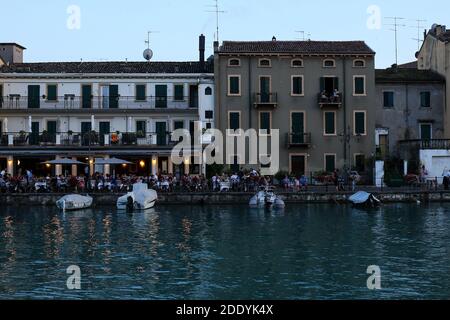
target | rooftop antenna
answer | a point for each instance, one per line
(217, 11)
(148, 53)
(419, 28)
(302, 35)
(396, 25)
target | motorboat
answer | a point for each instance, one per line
(266, 198)
(364, 199)
(142, 198)
(73, 202)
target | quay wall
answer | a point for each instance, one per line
(108, 199)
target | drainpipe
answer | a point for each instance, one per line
(250, 92)
(344, 109)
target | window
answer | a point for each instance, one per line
(388, 99)
(426, 131)
(178, 125)
(359, 85)
(208, 91)
(329, 63)
(209, 114)
(265, 63)
(330, 162)
(52, 92)
(234, 85)
(297, 63)
(141, 92)
(297, 86)
(234, 120)
(178, 92)
(265, 123)
(359, 63)
(208, 125)
(234, 62)
(425, 99)
(360, 162)
(141, 128)
(329, 123)
(359, 123)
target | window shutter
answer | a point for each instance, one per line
(336, 83)
(329, 123)
(234, 121)
(179, 92)
(52, 93)
(140, 92)
(322, 84)
(360, 123)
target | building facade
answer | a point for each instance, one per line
(319, 95)
(89, 110)
(410, 105)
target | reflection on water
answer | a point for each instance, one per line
(302, 252)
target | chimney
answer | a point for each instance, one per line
(274, 39)
(11, 53)
(441, 29)
(202, 41)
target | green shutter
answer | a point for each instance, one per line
(336, 83)
(359, 85)
(297, 85)
(179, 92)
(141, 92)
(265, 121)
(425, 99)
(330, 163)
(298, 128)
(161, 96)
(86, 127)
(388, 99)
(113, 96)
(52, 92)
(51, 127)
(234, 120)
(34, 97)
(179, 125)
(234, 85)
(360, 123)
(86, 96)
(330, 123)
(161, 133)
(425, 131)
(322, 84)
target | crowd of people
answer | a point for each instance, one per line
(99, 182)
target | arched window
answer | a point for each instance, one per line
(265, 63)
(329, 63)
(234, 62)
(359, 63)
(297, 63)
(208, 91)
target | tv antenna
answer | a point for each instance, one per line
(301, 35)
(396, 24)
(148, 53)
(419, 28)
(217, 11)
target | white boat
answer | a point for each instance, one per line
(266, 198)
(142, 197)
(363, 198)
(73, 202)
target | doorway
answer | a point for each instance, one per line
(298, 165)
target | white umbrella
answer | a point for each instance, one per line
(113, 161)
(64, 161)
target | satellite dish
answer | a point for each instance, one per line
(148, 54)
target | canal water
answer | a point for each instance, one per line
(181, 252)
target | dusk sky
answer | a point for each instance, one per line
(116, 30)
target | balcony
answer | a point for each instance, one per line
(432, 144)
(330, 100)
(265, 99)
(83, 140)
(298, 140)
(72, 102)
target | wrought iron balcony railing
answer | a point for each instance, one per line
(298, 140)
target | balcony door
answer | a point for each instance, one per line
(193, 96)
(298, 127)
(329, 84)
(425, 131)
(86, 127)
(110, 96)
(104, 129)
(161, 133)
(86, 96)
(51, 130)
(34, 136)
(264, 89)
(298, 165)
(161, 96)
(34, 97)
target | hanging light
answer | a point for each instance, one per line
(142, 163)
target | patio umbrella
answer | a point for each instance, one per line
(113, 162)
(64, 161)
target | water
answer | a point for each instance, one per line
(305, 252)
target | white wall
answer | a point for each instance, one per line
(435, 161)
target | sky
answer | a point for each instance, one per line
(107, 30)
